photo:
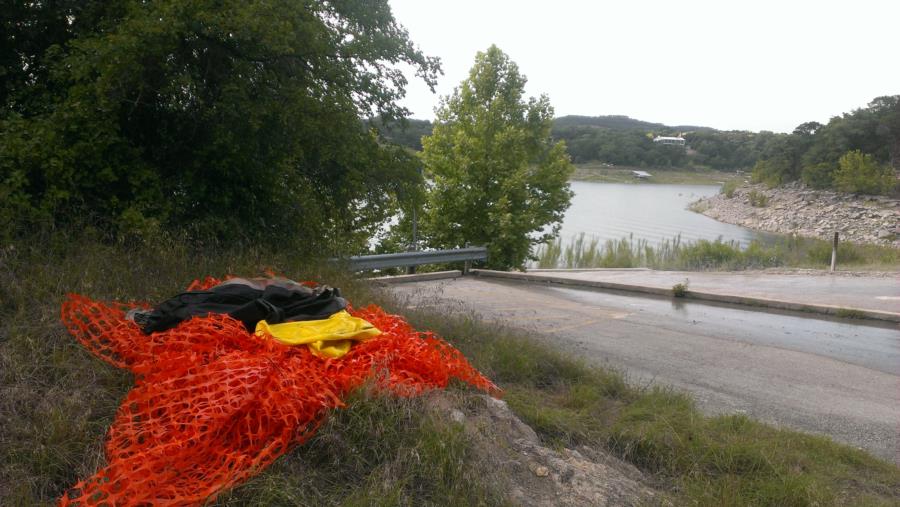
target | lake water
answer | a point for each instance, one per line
(648, 211)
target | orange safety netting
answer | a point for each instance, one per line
(213, 404)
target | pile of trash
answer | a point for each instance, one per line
(232, 374)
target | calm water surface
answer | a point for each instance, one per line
(648, 211)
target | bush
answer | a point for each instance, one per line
(818, 175)
(758, 199)
(859, 172)
(847, 253)
(679, 290)
(706, 254)
(728, 188)
(770, 172)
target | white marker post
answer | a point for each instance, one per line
(834, 251)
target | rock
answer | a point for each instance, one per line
(540, 471)
(511, 455)
(796, 209)
(457, 416)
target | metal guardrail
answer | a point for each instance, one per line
(406, 259)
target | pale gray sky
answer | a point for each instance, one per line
(754, 65)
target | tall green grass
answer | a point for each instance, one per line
(57, 401)
(583, 252)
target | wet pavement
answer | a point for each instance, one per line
(881, 293)
(819, 374)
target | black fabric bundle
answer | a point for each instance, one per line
(249, 301)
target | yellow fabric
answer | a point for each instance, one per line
(330, 337)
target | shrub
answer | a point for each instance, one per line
(771, 172)
(728, 188)
(758, 199)
(679, 290)
(859, 172)
(705, 254)
(818, 175)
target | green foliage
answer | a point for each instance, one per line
(582, 252)
(818, 175)
(235, 119)
(847, 253)
(758, 199)
(407, 132)
(860, 173)
(497, 179)
(769, 172)
(849, 313)
(729, 188)
(730, 150)
(813, 151)
(381, 451)
(679, 290)
(620, 147)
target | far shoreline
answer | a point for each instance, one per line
(602, 173)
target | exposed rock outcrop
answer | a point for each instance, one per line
(536, 475)
(794, 209)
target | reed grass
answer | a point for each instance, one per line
(585, 252)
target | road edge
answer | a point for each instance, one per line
(418, 277)
(778, 304)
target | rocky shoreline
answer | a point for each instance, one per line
(794, 209)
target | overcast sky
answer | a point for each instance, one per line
(750, 65)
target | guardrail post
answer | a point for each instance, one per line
(466, 265)
(411, 270)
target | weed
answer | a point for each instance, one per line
(850, 313)
(679, 290)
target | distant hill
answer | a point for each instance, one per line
(411, 134)
(408, 135)
(621, 122)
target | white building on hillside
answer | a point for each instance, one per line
(676, 141)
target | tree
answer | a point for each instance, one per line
(887, 113)
(861, 173)
(497, 178)
(239, 119)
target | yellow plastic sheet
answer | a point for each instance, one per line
(330, 337)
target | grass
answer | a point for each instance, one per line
(595, 171)
(380, 452)
(582, 252)
(724, 460)
(849, 313)
(56, 402)
(729, 188)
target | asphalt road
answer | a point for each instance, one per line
(834, 377)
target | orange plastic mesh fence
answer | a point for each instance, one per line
(213, 405)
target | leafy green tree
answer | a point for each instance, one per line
(239, 119)
(497, 178)
(860, 172)
(887, 119)
(819, 175)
